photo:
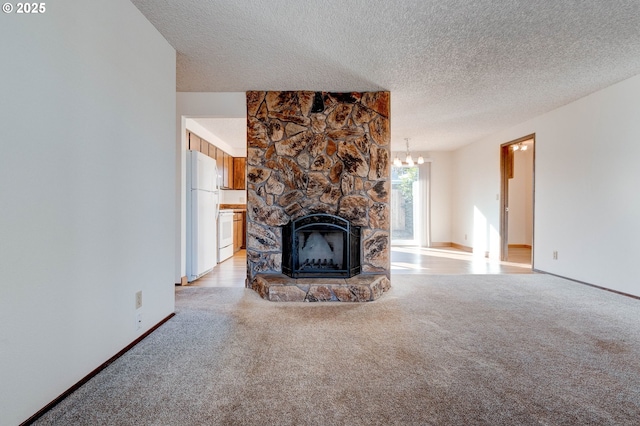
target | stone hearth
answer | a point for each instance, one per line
(317, 152)
(281, 288)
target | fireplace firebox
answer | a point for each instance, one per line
(321, 246)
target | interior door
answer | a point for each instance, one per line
(521, 184)
(506, 173)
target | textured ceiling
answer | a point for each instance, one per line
(457, 70)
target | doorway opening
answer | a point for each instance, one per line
(222, 139)
(517, 174)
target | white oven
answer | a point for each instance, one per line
(225, 235)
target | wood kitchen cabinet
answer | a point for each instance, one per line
(239, 235)
(232, 170)
(220, 164)
(194, 142)
(225, 168)
(227, 175)
(239, 173)
(204, 146)
(212, 151)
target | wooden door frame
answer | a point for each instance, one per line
(506, 172)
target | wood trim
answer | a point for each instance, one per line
(461, 247)
(467, 249)
(633, 296)
(441, 244)
(527, 246)
(522, 139)
(183, 281)
(89, 376)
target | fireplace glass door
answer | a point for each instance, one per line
(320, 250)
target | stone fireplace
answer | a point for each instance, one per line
(318, 187)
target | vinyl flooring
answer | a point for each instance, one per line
(448, 260)
(230, 273)
(404, 260)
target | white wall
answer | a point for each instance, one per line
(231, 196)
(87, 178)
(441, 180)
(197, 105)
(586, 186)
(475, 197)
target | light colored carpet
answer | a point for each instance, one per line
(435, 350)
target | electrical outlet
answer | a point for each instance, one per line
(139, 299)
(465, 237)
(555, 255)
(138, 320)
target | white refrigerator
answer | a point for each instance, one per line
(203, 205)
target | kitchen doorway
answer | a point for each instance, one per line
(517, 172)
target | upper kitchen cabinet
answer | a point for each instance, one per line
(232, 170)
(227, 175)
(212, 151)
(225, 168)
(220, 164)
(194, 142)
(239, 173)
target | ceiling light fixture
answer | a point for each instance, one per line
(408, 160)
(519, 146)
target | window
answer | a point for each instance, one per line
(405, 202)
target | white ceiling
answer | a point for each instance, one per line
(457, 70)
(231, 130)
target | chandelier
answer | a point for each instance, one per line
(408, 160)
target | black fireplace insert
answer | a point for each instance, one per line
(321, 246)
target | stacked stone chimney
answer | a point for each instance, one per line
(317, 152)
